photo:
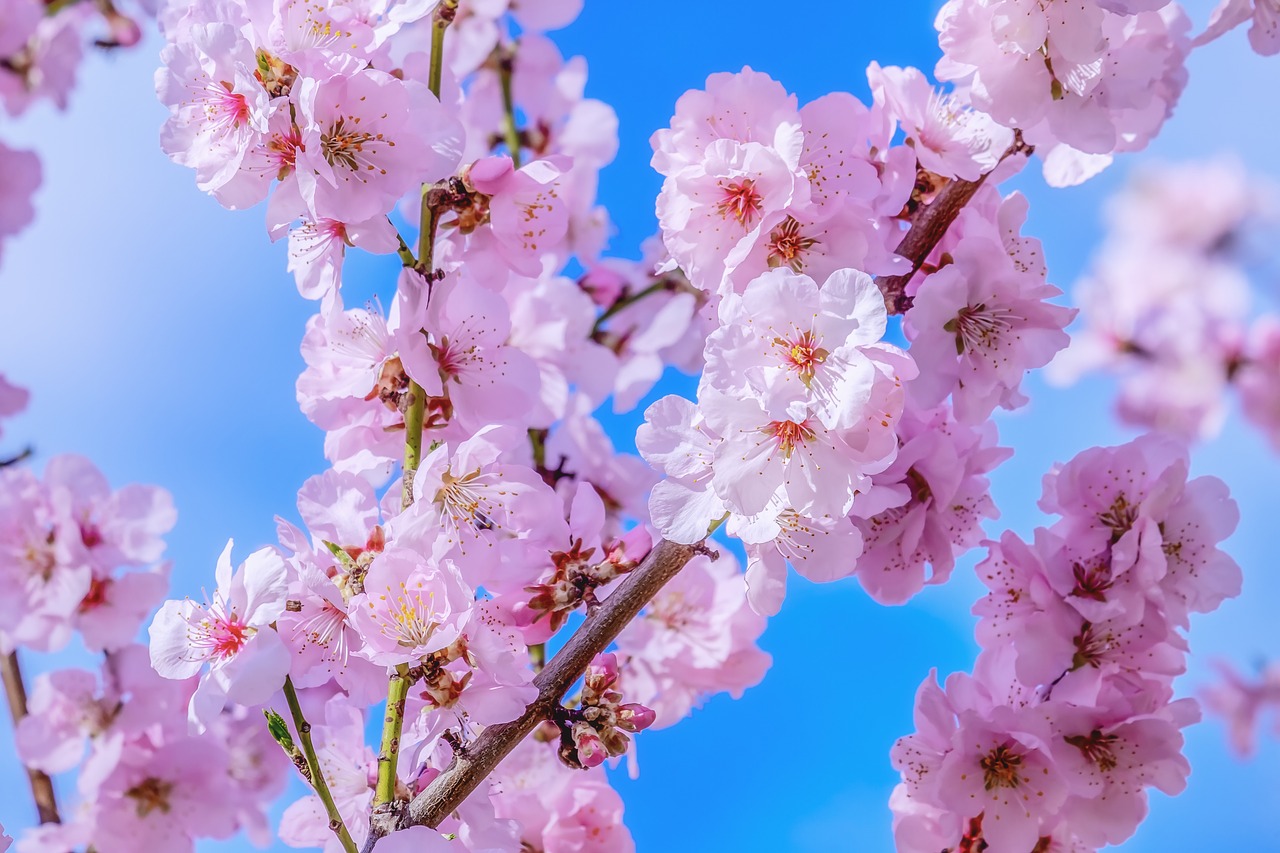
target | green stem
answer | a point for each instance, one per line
(313, 764)
(416, 412)
(343, 557)
(406, 255)
(538, 656)
(509, 129)
(392, 726)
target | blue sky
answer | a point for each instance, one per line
(159, 335)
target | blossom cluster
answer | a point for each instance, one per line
(1168, 303)
(803, 408)
(1069, 715)
(452, 573)
(41, 45)
(475, 509)
(1082, 81)
(78, 559)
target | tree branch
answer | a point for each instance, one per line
(41, 784)
(447, 791)
(929, 227)
(315, 773)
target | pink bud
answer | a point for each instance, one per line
(603, 285)
(638, 716)
(591, 752)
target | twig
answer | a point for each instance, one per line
(447, 791)
(41, 784)
(929, 227)
(315, 773)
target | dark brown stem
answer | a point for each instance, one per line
(929, 227)
(41, 784)
(14, 460)
(447, 791)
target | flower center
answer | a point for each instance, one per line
(740, 201)
(1000, 768)
(802, 353)
(789, 434)
(97, 595)
(152, 795)
(1097, 748)
(224, 107)
(408, 617)
(345, 147)
(787, 246)
(1092, 581)
(977, 327)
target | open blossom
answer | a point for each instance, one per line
(949, 138)
(820, 549)
(164, 798)
(697, 637)
(977, 325)
(474, 505)
(233, 634)
(526, 208)
(927, 507)
(368, 139)
(1081, 80)
(793, 344)
(409, 608)
(317, 249)
(218, 109)
(1264, 23)
(559, 810)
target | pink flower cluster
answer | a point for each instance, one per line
(41, 45)
(519, 511)
(143, 779)
(802, 409)
(1167, 303)
(474, 503)
(64, 540)
(1082, 81)
(1069, 716)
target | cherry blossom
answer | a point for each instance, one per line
(233, 634)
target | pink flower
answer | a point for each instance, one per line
(218, 109)
(473, 504)
(949, 138)
(409, 608)
(526, 208)
(977, 325)
(316, 250)
(559, 810)
(1264, 30)
(42, 565)
(696, 638)
(367, 139)
(822, 550)
(22, 174)
(233, 635)
(793, 344)
(744, 107)
(714, 211)
(485, 378)
(927, 506)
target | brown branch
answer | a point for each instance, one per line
(447, 791)
(930, 225)
(41, 784)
